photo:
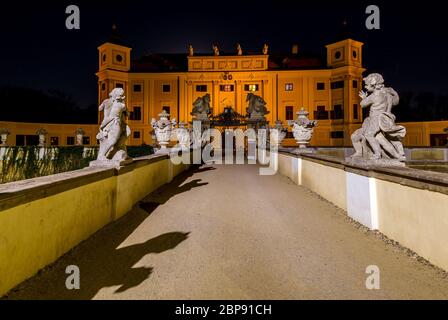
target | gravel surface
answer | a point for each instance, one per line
(225, 232)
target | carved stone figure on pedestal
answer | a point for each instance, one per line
(183, 136)
(42, 133)
(163, 129)
(256, 108)
(239, 50)
(4, 133)
(379, 139)
(277, 134)
(113, 131)
(201, 108)
(302, 130)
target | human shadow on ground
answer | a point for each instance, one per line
(101, 260)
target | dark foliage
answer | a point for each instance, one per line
(31, 105)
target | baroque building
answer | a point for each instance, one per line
(287, 82)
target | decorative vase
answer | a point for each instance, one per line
(303, 128)
(163, 129)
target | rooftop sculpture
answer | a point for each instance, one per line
(378, 141)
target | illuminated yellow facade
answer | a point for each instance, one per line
(329, 91)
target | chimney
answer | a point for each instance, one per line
(295, 49)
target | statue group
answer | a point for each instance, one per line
(379, 139)
(201, 108)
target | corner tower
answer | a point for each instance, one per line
(114, 63)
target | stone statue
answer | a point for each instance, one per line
(163, 130)
(277, 134)
(190, 50)
(42, 136)
(215, 50)
(239, 50)
(265, 48)
(303, 129)
(113, 130)
(201, 108)
(257, 107)
(379, 137)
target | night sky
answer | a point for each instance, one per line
(37, 51)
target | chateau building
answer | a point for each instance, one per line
(287, 82)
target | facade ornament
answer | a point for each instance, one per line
(79, 133)
(379, 140)
(265, 48)
(163, 129)
(215, 50)
(202, 109)
(4, 133)
(42, 136)
(113, 131)
(190, 50)
(239, 50)
(302, 130)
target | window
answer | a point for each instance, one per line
(355, 111)
(289, 111)
(54, 141)
(119, 58)
(320, 86)
(103, 86)
(137, 88)
(338, 112)
(70, 141)
(226, 87)
(136, 114)
(201, 88)
(166, 88)
(251, 87)
(289, 86)
(338, 55)
(337, 85)
(337, 134)
(20, 140)
(86, 140)
(136, 134)
(119, 85)
(355, 84)
(321, 113)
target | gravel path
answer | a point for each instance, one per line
(225, 232)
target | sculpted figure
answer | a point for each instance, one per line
(215, 50)
(265, 48)
(379, 137)
(257, 107)
(201, 108)
(190, 50)
(239, 50)
(113, 129)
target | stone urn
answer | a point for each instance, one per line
(163, 129)
(183, 136)
(303, 128)
(79, 133)
(4, 133)
(277, 134)
(42, 136)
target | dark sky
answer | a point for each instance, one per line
(38, 51)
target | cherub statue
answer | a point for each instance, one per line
(379, 136)
(190, 50)
(215, 50)
(113, 129)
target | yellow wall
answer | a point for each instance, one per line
(36, 233)
(402, 210)
(404, 216)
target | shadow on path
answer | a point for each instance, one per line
(102, 264)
